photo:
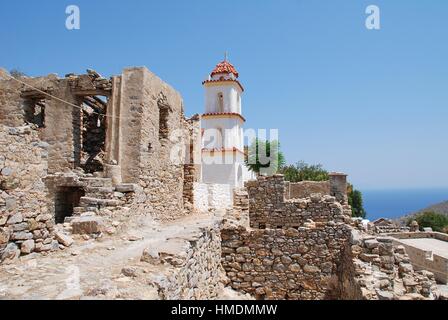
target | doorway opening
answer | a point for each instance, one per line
(66, 199)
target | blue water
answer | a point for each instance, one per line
(395, 203)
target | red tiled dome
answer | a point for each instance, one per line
(224, 67)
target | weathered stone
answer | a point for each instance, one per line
(311, 269)
(4, 236)
(27, 246)
(63, 239)
(11, 252)
(129, 271)
(87, 225)
(21, 235)
(150, 255)
(16, 218)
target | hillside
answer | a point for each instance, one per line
(437, 208)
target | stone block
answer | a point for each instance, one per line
(87, 225)
(16, 218)
(27, 246)
(63, 239)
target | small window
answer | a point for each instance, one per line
(35, 112)
(220, 102)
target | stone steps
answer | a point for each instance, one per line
(97, 182)
(92, 202)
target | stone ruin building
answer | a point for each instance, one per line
(79, 152)
(84, 143)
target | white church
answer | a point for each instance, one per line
(222, 129)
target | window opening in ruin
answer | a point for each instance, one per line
(66, 199)
(164, 112)
(93, 134)
(35, 111)
(279, 227)
(262, 226)
(220, 102)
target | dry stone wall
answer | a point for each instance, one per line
(25, 225)
(373, 268)
(191, 266)
(304, 189)
(269, 209)
(283, 263)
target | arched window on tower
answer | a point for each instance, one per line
(238, 103)
(220, 102)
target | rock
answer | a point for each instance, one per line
(311, 269)
(371, 243)
(64, 239)
(406, 268)
(87, 225)
(150, 255)
(295, 267)
(16, 218)
(43, 217)
(385, 295)
(355, 237)
(134, 238)
(115, 223)
(243, 250)
(3, 218)
(111, 230)
(6, 171)
(129, 271)
(22, 235)
(4, 236)
(303, 249)
(54, 245)
(27, 246)
(11, 252)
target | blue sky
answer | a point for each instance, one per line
(373, 104)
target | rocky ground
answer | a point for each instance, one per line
(108, 267)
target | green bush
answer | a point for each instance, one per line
(438, 222)
(304, 172)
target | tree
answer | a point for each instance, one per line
(356, 202)
(302, 171)
(438, 222)
(265, 157)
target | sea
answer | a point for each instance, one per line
(395, 203)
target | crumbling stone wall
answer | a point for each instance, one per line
(373, 268)
(269, 209)
(304, 189)
(25, 225)
(193, 273)
(283, 263)
(152, 159)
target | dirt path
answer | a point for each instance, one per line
(92, 268)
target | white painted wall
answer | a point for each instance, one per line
(230, 91)
(232, 132)
(212, 196)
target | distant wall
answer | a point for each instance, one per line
(425, 259)
(304, 189)
(268, 207)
